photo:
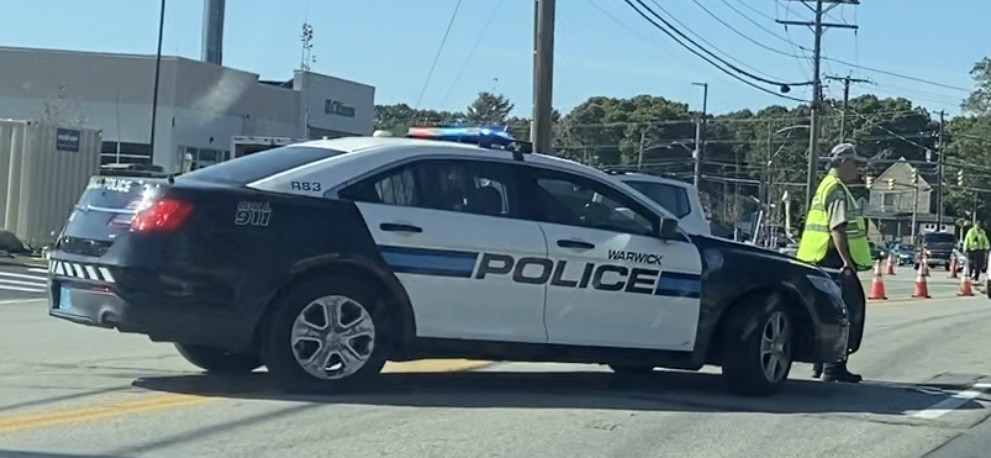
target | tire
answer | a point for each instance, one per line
(216, 361)
(987, 288)
(742, 334)
(357, 308)
(623, 369)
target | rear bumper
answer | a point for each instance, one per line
(134, 301)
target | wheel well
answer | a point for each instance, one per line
(804, 337)
(404, 328)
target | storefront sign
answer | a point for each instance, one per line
(67, 140)
(336, 107)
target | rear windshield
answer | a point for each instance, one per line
(253, 167)
(673, 198)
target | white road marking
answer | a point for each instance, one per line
(37, 284)
(21, 301)
(41, 271)
(22, 289)
(948, 405)
(25, 276)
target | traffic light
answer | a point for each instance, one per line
(960, 177)
(891, 184)
(869, 181)
(915, 176)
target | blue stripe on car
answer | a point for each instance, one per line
(447, 263)
(679, 285)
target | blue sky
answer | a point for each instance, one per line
(391, 44)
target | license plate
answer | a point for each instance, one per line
(64, 299)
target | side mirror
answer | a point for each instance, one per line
(668, 229)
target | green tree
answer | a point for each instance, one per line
(488, 109)
(979, 101)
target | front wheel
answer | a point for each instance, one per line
(217, 361)
(327, 334)
(757, 346)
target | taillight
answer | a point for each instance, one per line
(164, 215)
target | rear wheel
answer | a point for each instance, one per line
(757, 346)
(624, 369)
(218, 361)
(327, 334)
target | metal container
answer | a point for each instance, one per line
(47, 168)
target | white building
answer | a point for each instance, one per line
(200, 105)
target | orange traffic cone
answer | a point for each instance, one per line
(921, 289)
(877, 286)
(953, 267)
(891, 265)
(965, 287)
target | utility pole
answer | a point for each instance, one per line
(818, 27)
(543, 76)
(643, 137)
(699, 152)
(846, 98)
(939, 171)
(158, 71)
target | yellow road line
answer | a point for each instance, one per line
(46, 419)
(163, 402)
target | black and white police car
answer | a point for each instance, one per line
(324, 259)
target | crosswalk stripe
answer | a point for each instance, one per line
(13, 275)
(38, 284)
(40, 271)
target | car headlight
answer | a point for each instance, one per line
(826, 285)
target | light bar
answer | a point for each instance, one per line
(485, 137)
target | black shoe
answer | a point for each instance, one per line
(842, 375)
(817, 370)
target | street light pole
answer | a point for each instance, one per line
(699, 127)
(158, 71)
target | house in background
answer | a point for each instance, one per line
(893, 200)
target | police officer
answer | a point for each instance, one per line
(976, 245)
(835, 237)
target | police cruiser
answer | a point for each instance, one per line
(324, 259)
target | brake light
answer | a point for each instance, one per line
(164, 215)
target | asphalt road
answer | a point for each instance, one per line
(71, 391)
(22, 282)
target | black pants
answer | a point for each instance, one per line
(855, 299)
(975, 263)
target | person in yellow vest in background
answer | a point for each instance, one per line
(835, 237)
(976, 245)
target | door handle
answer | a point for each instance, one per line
(399, 227)
(581, 245)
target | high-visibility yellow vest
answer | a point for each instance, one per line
(976, 239)
(816, 235)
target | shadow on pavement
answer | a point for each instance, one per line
(660, 391)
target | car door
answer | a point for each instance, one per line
(615, 284)
(432, 219)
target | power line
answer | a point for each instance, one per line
(896, 75)
(440, 48)
(702, 48)
(743, 35)
(703, 40)
(464, 66)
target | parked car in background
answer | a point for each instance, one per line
(904, 253)
(878, 250)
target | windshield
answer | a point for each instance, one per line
(939, 239)
(253, 167)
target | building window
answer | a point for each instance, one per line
(890, 200)
(128, 153)
(203, 157)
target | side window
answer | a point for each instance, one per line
(575, 201)
(479, 187)
(395, 187)
(673, 198)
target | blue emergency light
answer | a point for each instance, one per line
(485, 137)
